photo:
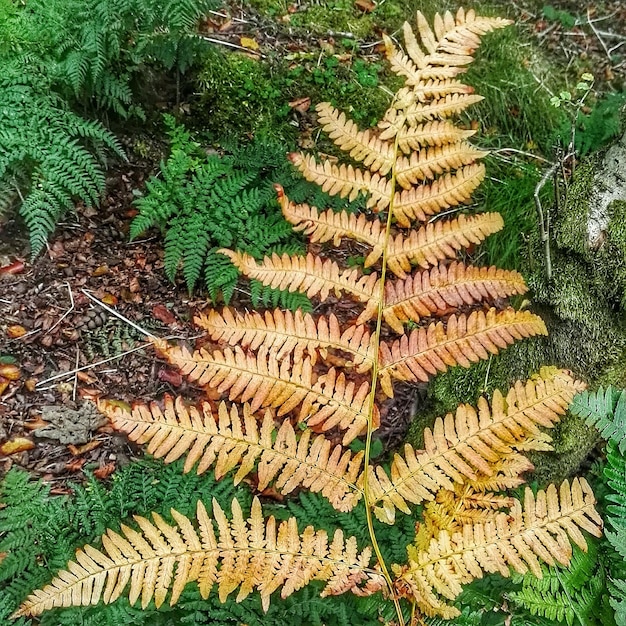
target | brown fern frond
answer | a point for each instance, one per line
(425, 164)
(343, 180)
(434, 292)
(431, 90)
(448, 50)
(475, 446)
(376, 155)
(328, 402)
(395, 120)
(541, 529)
(440, 240)
(310, 275)
(464, 340)
(451, 510)
(161, 559)
(437, 133)
(328, 225)
(236, 440)
(284, 333)
(446, 191)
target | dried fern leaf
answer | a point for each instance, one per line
(161, 559)
(541, 529)
(431, 90)
(330, 225)
(283, 333)
(232, 439)
(448, 106)
(310, 275)
(437, 133)
(343, 180)
(474, 446)
(332, 401)
(451, 510)
(465, 339)
(425, 164)
(376, 155)
(452, 43)
(446, 191)
(436, 291)
(440, 240)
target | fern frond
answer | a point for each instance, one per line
(162, 559)
(446, 191)
(328, 402)
(473, 446)
(284, 333)
(310, 275)
(343, 180)
(462, 341)
(232, 439)
(333, 225)
(394, 121)
(443, 288)
(376, 155)
(430, 134)
(440, 240)
(606, 410)
(448, 49)
(425, 164)
(540, 529)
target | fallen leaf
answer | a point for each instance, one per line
(227, 25)
(30, 384)
(36, 423)
(85, 378)
(75, 465)
(109, 299)
(104, 471)
(4, 383)
(61, 491)
(170, 376)
(101, 270)
(87, 447)
(367, 6)
(16, 331)
(163, 314)
(13, 268)
(15, 445)
(89, 393)
(134, 286)
(249, 43)
(300, 104)
(9, 371)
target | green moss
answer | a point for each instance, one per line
(514, 112)
(573, 441)
(241, 96)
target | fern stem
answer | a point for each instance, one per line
(371, 401)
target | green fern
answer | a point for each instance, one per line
(39, 533)
(91, 50)
(606, 410)
(207, 202)
(571, 595)
(47, 153)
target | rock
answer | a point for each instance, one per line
(69, 425)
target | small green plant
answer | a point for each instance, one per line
(61, 55)
(91, 50)
(49, 156)
(204, 202)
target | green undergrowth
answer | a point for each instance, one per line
(243, 96)
(40, 532)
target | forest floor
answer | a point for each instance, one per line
(51, 327)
